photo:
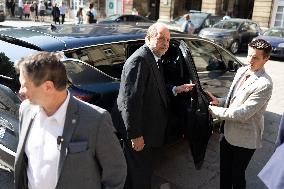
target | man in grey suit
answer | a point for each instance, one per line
(142, 103)
(242, 111)
(63, 142)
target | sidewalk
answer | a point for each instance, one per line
(29, 21)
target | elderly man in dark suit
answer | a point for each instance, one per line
(242, 111)
(143, 103)
(64, 142)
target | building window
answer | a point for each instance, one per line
(279, 17)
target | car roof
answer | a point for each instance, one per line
(237, 20)
(70, 36)
(276, 28)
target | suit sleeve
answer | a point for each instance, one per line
(251, 105)
(109, 155)
(280, 137)
(132, 87)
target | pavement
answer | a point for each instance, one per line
(28, 22)
(175, 168)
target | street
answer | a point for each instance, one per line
(175, 169)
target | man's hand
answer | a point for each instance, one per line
(138, 143)
(214, 101)
(184, 88)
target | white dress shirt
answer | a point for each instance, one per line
(42, 150)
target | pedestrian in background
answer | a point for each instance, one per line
(62, 9)
(20, 9)
(42, 10)
(242, 111)
(55, 14)
(32, 11)
(63, 141)
(134, 12)
(79, 16)
(13, 6)
(272, 174)
(142, 103)
(27, 10)
(91, 15)
(35, 6)
(187, 26)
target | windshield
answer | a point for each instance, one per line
(274, 33)
(227, 25)
(198, 18)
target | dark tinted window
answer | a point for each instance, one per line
(206, 56)
(108, 58)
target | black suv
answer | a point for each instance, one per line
(95, 55)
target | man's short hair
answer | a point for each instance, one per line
(186, 16)
(263, 45)
(44, 66)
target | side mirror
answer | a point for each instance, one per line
(118, 20)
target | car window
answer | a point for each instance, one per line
(198, 18)
(8, 58)
(108, 58)
(206, 56)
(274, 32)
(253, 27)
(227, 25)
(245, 27)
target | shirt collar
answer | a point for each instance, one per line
(155, 56)
(60, 114)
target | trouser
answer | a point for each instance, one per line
(21, 12)
(139, 167)
(233, 163)
(62, 18)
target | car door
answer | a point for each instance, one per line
(199, 121)
(188, 112)
(216, 67)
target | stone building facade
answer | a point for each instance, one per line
(261, 11)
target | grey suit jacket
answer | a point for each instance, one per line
(244, 120)
(90, 156)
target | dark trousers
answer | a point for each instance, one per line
(233, 163)
(139, 167)
(62, 18)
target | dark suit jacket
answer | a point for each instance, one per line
(142, 99)
(90, 155)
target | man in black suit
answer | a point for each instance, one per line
(142, 102)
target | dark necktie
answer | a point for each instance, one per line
(159, 64)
